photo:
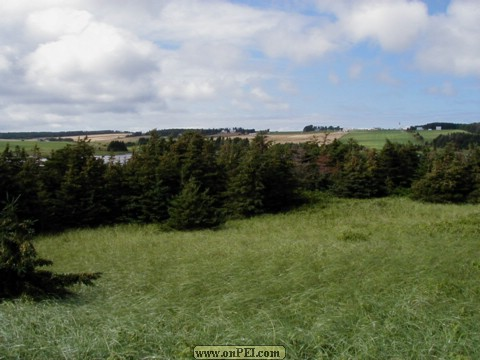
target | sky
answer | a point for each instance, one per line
(136, 65)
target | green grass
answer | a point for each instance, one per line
(429, 135)
(46, 147)
(376, 138)
(345, 279)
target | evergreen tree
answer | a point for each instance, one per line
(307, 166)
(152, 177)
(359, 176)
(117, 145)
(449, 179)
(245, 188)
(398, 165)
(11, 162)
(194, 209)
(280, 185)
(73, 188)
(19, 262)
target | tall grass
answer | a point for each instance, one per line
(362, 279)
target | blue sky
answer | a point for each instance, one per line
(265, 64)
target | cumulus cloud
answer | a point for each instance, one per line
(452, 44)
(54, 22)
(95, 62)
(5, 63)
(64, 60)
(394, 24)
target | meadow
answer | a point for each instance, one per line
(46, 147)
(338, 279)
(376, 138)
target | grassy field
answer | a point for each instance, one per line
(430, 135)
(376, 138)
(45, 147)
(343, 279)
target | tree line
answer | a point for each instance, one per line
(313, 128)
(194, 182)
(472, 127)
(54, 134)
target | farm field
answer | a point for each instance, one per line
(376, 138)
(46, 147)
(339, 279)
(295, 137)
(430, 135)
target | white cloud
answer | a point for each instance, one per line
(267, 100)
(213, 21)
(5, 62)
(394, 24)
(62, 61)
(100, 63)
(54, 22)
(452, 44)
(197, 89)
(261, 95)
(295, 38)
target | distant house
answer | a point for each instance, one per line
(419, 128)
(438, 128)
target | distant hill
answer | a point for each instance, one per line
(473, 127)
(54, 134)
(79, 133)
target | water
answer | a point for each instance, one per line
(123, 158)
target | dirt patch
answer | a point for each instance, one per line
(283, 138)
(100, 137)
(320, 138)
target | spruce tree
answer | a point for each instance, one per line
(194, 208)
(19, 262)
(450, 178)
